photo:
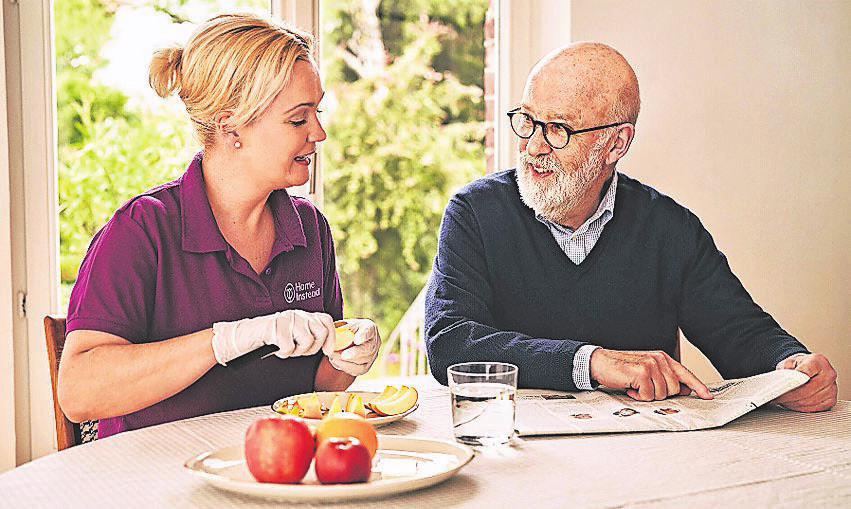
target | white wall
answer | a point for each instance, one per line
(746, 119)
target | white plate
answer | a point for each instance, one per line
(326, 398)
(401, 464)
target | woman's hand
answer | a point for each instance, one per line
(358, 358)
(294, 332)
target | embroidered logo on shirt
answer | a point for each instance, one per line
(301, 291)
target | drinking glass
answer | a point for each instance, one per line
(482, 395)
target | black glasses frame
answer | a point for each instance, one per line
(536, 123)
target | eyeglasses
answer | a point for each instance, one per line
(556, 134)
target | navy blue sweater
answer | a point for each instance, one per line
(502, 289)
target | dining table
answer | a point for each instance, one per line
(770, 457)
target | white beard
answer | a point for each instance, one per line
(561, 193)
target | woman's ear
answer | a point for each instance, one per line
(622, 142)
(221, 120)
(228, 135)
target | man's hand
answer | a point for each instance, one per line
(646, 376)
(358, 358)
(819, 393)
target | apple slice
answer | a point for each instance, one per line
(295, 409)
(388, 392)
(343, 338)
(337, 406)
(355, 405)
(404, 399)
(311, 407)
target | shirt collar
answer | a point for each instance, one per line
(605, 210)
(201, 234)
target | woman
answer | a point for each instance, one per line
(196, 272)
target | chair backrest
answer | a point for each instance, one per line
(67, 433)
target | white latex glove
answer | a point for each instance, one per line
(294, 331)
(358, 358)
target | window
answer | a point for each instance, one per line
(405, 115)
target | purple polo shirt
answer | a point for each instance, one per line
(160, 268)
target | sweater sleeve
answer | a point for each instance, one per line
(721, 319)
(460, 325)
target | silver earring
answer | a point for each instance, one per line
(237, 144)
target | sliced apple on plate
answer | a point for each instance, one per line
(294, 409)
(355, 405)
(338, 405)
(386, 393)
(311, 408)
(394, 403)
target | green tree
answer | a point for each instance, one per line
(107, 152)
(402, 135)
(82, 28)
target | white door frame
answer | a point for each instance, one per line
(33, 257)
(7, 310)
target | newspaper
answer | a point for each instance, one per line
(609, 411)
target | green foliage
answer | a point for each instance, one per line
(73, 89)
(82, 28)
(118, 160)
(107, 152)
(399, 142)
(461, 38)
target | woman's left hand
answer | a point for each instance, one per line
(358, 358)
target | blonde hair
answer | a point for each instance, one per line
(233, 64)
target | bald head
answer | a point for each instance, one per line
(590, 82)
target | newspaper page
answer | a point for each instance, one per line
(606, 410)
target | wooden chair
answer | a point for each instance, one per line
(68, 434)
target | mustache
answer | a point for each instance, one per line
(545, 162)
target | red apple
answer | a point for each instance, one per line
(279, 450)
(342, 460)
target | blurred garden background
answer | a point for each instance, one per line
(404, 110)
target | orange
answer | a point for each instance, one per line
(347, 424)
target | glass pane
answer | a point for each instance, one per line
(405, 116)
(116, 137)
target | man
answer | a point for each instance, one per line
(581, 275)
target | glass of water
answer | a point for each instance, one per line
(483, 401)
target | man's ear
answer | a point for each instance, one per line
(621, 144)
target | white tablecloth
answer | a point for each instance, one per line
(768, 458)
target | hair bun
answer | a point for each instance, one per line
(165, 70)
